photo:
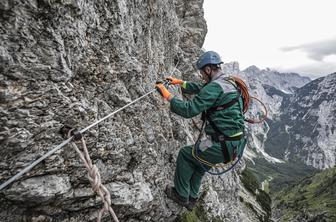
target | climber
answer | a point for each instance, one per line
(221, 104)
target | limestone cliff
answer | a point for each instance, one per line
(75, 61)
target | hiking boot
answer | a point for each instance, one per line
(172, 194)
(192, 203)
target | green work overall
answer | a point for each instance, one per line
(230, 121)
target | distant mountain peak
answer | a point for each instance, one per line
(231, 68)
(252, 69)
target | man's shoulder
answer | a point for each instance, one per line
(225, 85)
(212, 87)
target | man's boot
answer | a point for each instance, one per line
(192, 203)
(172, 194)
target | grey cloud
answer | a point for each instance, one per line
(316, 50)
(312, 70)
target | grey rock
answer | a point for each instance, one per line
(138, 195)
(39, 189)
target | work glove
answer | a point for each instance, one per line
(162, 90)
(174, 81)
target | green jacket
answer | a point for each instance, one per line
(230, 121)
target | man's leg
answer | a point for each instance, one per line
(184, 171)
(195, 182)
(211, 154)
(189, 172)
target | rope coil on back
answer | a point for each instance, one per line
(95, 180)
(244, 92)
(247, 99)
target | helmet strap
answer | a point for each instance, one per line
(208, 73)
(209, 76)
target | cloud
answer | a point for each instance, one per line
(316, 50)
(313, 70)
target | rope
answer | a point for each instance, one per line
(207, 163)
(216, 166)
(31, 166)
(118, 110)
(65, 142)
(247, 98)
(95, 180)
(244, 92)
(264, 116)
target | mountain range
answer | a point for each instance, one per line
(295, 142)
(301, 118)
(307, 125)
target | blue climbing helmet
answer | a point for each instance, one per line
(209, 57)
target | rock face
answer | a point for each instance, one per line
(75, 61)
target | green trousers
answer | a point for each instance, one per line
(189, 171)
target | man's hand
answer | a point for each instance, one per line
(163, 91)
(174, 81)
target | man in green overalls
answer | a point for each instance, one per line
(215, 92)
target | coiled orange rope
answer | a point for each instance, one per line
(247, 99)
(244, 92)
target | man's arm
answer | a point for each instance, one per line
(191, 87)
(204, 100)
(187, 87)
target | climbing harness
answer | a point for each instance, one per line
(242, 91)
(224, 166)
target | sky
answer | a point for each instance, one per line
(285, 35)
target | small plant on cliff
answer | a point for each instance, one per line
(249, 181)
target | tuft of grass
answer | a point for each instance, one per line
(198, 214)
(251, 183)
(265, 202)
(249, 180)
